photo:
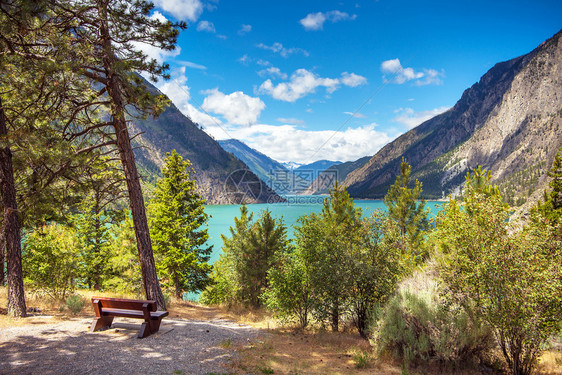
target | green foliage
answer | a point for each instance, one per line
(361, 360)
(95, 224)
(50, 260)
(176, 216)
(550, 208)
(75, 303)
(510, 279)
(288, 295)
(267, 241)
(225, 279)
(376, 269)
(343, 266)
(124, 273)
(407, 209)
(417, 325)
(253, 248)
(326, 241)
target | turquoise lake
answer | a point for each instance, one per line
(222, 216)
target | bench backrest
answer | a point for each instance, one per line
(128, 304)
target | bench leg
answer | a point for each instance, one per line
(155, 325)
(144, 330)
(103, 322)
(148, 328)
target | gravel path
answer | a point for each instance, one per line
(180, 347)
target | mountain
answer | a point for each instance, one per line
(221, 177)
(337, 172)
(307, 173)
(291, 165)
(509, 122)
(317, 166)
(276, 175)
(273, 173)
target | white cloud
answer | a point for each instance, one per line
(158, 16)
(398, 74)
(304, 82)
(179, 93)
(244, 59)
(315, 21)
(352, 79)
(356, 114)
(192, 65)
(281, 50)
(237, 108)
(273, 72)
(187, 10)
(290, 143)
(411, 118)
(206, 26)
(291, 121)
(244, 29)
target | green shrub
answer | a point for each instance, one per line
(75, 303)
(417, 326)
(361, 360)
(50, 260)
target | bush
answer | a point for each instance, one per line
(417, 326)
(50, 260)
(75, 303)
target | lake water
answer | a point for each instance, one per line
(222, 216)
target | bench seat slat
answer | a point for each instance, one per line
(107, 311)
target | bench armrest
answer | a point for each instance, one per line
(145, 311)
(97, 307)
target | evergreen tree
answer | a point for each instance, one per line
(226, 283)
(240, 274)
(107, 53)
(267, 240)
(177, 215)
(550, 208)
(406, 207)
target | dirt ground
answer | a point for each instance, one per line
(239, 341)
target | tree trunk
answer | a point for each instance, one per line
(2, 257)
(335, 317)
(177, 285)
(136, 200)
(16, 296)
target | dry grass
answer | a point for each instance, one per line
(287, 352)
(282, 351)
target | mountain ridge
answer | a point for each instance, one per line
(489, 126)
(221, 177)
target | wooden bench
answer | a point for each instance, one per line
(108, 308)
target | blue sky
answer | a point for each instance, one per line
(303, 80)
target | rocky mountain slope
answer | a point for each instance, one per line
(221, 177)
(338, 172)
(273, 173)
(509, 122)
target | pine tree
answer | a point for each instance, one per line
(550, 208)
(267, 240)
(108, 55)
(177, 216)
(406, 207)
(326, 242)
